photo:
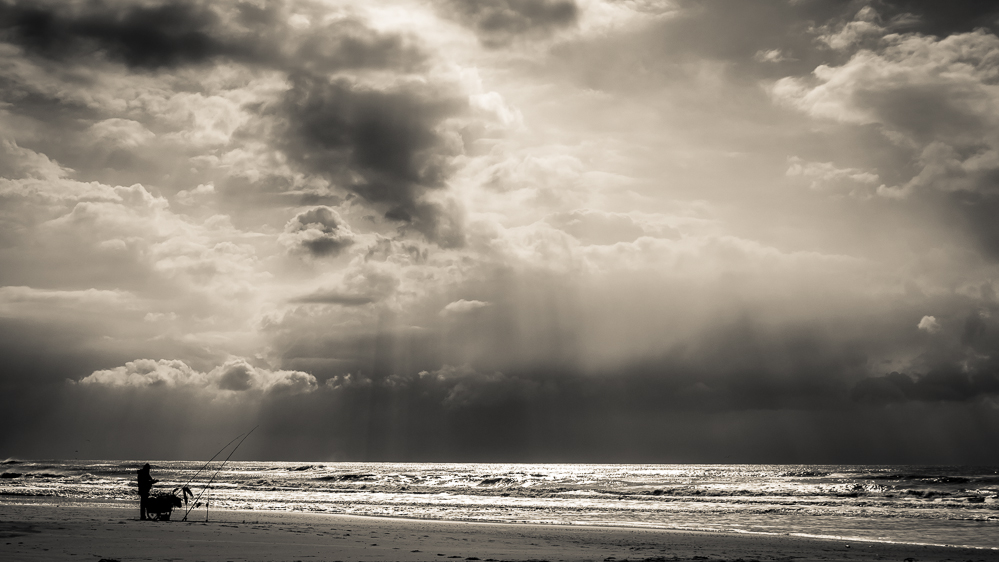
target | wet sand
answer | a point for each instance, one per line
(93, 533)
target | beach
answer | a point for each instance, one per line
(55, 531)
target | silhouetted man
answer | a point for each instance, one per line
(145, 485)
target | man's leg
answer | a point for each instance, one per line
(142, 507)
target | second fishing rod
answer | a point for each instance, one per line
(208, 485)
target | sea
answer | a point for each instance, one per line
(938, 505)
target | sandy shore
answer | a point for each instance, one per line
(92, 533)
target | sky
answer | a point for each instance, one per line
(607, 231)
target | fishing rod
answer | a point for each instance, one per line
(204, 467)
(216, 474)
(211, 459)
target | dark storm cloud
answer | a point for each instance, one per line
(744, 396)
(84, 421)
(950, 383)
(675, 408)
(385, 146)
(742, 391)
(961, 369)
(906, 16)
(738, 367)
(148, 36)
(744, 366)
(498, 22)
(349, 44)
(940, 18)
(565, 424)
(171, 34)
(37, 353)
(977, 212)
(396, 423)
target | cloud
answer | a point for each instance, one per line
(864, 26)
(391, 142)
(462, 306)
(88, 238)
(193, 196)
(17, 162)
(347, 41)
(385, 145)
(156, 36)
(924, 89)
(148, 373)
(150, 239)
(121, 132)
(937, 386)
(145, 36)
(596, 227)
(932, 18)
(32, 177)
(931, 97)
(449, 386)
(31, 299)
(500, 22)
(753, 36)
(588, 253)
(319, 232)
(770, 55)
(362, 284)
(467, 388)
(957, 365)
(254, 46)
(493, 104)
(929, 324)
(611, 309)
(159, 317)
(235, 375)
(826, 175)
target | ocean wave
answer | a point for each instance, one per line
(804, 474)
(28, 494)
(347, 478)
(950, 480)
(900, 476)
(496, 481)
(942, 479)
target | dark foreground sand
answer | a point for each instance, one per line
(93, 533)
